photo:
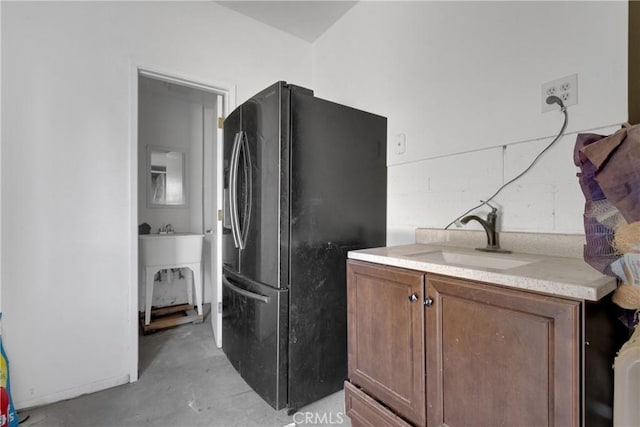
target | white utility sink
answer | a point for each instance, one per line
(465, 259)
(176, 250)
(170, 249)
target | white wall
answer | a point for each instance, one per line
(462, 80)
(67, 202)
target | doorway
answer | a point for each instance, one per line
(184, 118)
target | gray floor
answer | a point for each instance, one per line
(184, 381)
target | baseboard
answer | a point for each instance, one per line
(71, 392)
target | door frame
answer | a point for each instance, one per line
(228, 93)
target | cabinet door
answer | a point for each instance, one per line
(500, 357)
(385, 325)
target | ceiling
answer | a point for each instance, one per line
(307, 20)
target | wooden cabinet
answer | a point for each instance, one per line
(385, 327)
(475, 354)
(498, 356)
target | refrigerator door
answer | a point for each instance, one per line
(254, 330)
(338, 203)
(230, 250)
(263, 190)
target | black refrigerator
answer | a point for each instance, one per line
(305, 181)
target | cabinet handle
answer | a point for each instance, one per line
(413, 297)
(428, 302)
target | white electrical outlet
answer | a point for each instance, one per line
(400, 143)
(565, 88)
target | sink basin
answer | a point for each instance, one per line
(493, 261)
(164, 251)
(170, 249)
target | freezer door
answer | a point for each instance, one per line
(264, 222)
(254, 330)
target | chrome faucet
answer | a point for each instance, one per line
(167, 229)
(489, 225)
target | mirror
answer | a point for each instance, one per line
(166, 177)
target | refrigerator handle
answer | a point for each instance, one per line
(233, 189)
(247, 171)
(243, 292)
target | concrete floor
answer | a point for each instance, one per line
(184, 381)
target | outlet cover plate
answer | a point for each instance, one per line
(565, 88)
(400, 143)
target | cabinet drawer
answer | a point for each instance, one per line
(365, 411)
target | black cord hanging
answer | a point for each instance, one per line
(550, 100)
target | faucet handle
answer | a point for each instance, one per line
(493, 208)
(492, 217)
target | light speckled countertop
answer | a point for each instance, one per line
(555, 275)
